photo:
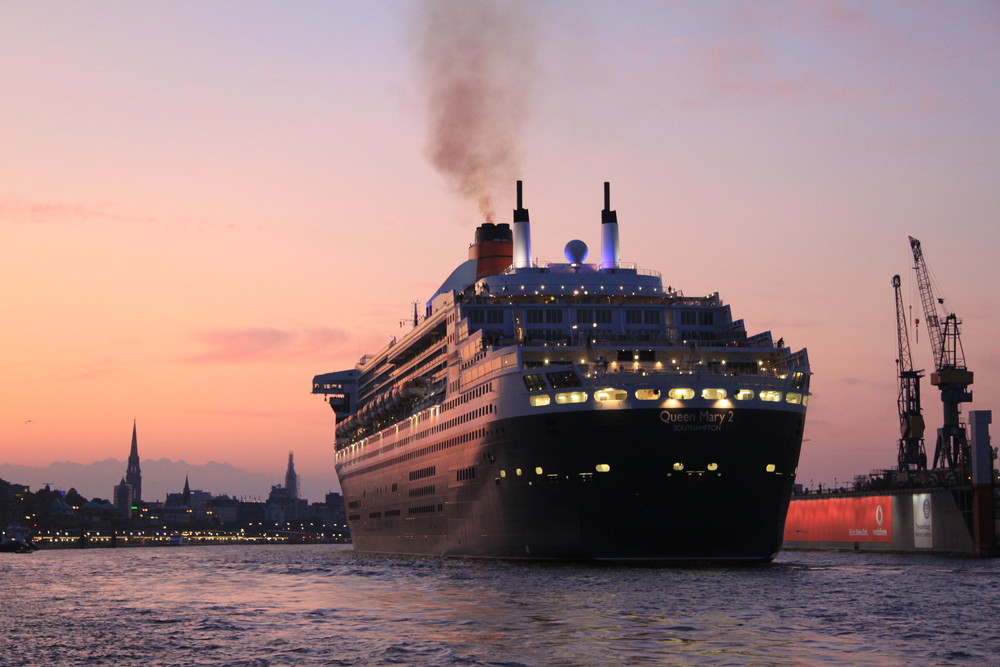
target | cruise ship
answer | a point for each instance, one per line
(570, 411)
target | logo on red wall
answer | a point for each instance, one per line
(862, 519)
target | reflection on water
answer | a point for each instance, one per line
(259, 605)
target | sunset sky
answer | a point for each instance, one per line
(202, 205)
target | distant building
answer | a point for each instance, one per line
(291, 479)
(250, 512)
(334, 513)
(99, 513)
(283, 506)
(185, 507)
(283, 503)
(13, 501)
(124, 498)
(133, 475)
(222, 510)
(60, 513)
(330, 512)
(192, 499)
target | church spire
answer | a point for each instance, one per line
(291, 479)
(187, 491)
(133, 474)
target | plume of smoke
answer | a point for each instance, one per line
(477, 63)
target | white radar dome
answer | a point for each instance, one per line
(576, 251)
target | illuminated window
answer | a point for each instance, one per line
(534, 382)
(647, 394)
(713, 394)
(678, 466)
(770, 395)
(517, 471)
(792, 397)
(538, 470)
(503, 473)
(770, 467)
(571, 397)
(539, 400)
(681, 393)
(744, 395)
(602, 467)
(713, 466)
(564, 379)
(610, 395)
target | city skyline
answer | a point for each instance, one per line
(89, 480)
(220, 203)
(166, 477)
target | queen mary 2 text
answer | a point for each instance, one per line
(706, 420)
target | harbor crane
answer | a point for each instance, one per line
(912, 457)
(950, 374)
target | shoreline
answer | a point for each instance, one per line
(187, 538)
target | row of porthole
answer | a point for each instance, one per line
(712, 467)
(604, 467)
(677, 394)
(600, 467)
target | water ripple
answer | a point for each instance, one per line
(319, 605)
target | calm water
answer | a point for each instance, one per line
(322, 605)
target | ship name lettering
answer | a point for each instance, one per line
(668, 417)
(703, 417)
(716, 417)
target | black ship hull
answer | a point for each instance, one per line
(620, 485)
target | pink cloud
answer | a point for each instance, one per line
(823, 15)
(264, 345)
(822, 53)
(881, 385)
(748, 69)
(24, 212)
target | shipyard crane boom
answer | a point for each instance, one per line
(931, 319)
(950, 374)
(912, 457)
